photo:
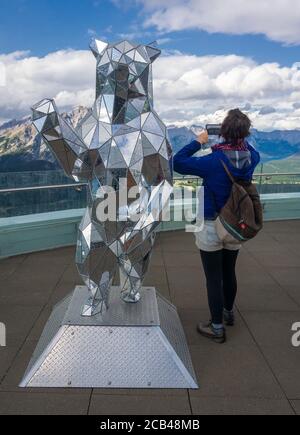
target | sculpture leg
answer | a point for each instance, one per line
(97, 265)
(98, 301)
(130, 284)
(133, 269)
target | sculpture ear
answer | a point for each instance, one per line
(98, 47)
(153, 51)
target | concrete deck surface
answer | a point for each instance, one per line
(256, 372)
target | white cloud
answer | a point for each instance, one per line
(162, 41)
(134, 35)
(189, 89)
(92, 32)
(65, 75)
(198, 86)
(267, 110)
(277, 19)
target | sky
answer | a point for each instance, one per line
(215, 55)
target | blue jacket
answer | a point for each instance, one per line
(217, 185)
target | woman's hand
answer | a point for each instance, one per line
(203, 137)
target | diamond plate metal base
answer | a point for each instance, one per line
(132, 346)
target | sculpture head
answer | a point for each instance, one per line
(124, 69)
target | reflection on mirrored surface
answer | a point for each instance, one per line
(121, 137)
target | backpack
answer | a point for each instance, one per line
(241, 219)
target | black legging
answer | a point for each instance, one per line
(219, 268)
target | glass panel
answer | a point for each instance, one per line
(21, 203)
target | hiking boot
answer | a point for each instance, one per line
(207, 330)
(229, 318)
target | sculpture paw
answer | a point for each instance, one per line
(43, 108)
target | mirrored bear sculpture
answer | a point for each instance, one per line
(121, 143)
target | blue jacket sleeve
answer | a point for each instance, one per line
(256, 158)
(186, 164)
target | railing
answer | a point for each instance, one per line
(285, 182)
(24, 193)
(30, 189)
(54, 191)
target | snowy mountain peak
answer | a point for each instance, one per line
(22, 149)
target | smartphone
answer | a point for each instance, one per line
(214, 129)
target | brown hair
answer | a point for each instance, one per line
(236, 127)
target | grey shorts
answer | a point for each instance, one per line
(209, 240)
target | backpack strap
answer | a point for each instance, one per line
(228, 171)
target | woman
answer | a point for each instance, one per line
(219, 258)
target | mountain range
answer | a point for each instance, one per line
(21, 149)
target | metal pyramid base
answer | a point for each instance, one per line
(131, 346)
